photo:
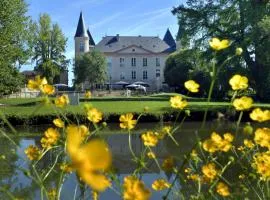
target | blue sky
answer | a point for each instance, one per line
(107, 17)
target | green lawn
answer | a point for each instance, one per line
(108, 107)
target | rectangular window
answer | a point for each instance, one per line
(157, 72)
(133, 74)
(144, 62)
(81, 47)
(157, 62)
(144, 74)
(133, 62)
(122, 62)
(122, 76)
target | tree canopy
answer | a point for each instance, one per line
(49, 46)
(91, 67)
(244, 22)
(14, 48)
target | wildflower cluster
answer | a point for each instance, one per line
(217, 143)
(134, 189)
(32, 152)
(83, 152)
(51, 137)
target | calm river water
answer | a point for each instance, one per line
(12, 158)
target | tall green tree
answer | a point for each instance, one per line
(184, 65)
(244, 22)
(90, 67)
(14, 48)
(49, 46)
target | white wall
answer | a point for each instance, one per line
(127, 68)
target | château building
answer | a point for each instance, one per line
(129, 58)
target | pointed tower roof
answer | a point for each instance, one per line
(168, 38)
(81, 31)
(91, 40)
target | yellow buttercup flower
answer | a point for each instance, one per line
(62, 101)
(248, 143)
(209, 171)
(217, 143)
(52, 193)
(90, 159)
(178, 102)
(160, 184)
(127, 121)
(82, 130)
(192, 86)
(32, 152)
(168, 164)
(48, 89)
(194, 177)
(149, 139)
(59, 123)
(243, 103)
(51, 137)
(261, 162)
(65, 167)
(223, 189)
(94, 115)
(95, 195)
(258, 115)
(217, 44)
(239, 82)
(151, 155)
(87, 94)
(134, 189)
(37, 83)
(262, 137)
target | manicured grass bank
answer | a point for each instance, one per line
(31, 111)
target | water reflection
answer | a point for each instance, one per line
(17, 182)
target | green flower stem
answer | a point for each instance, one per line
(60, 185)
(238, 122)
(9, 194)
(75, 192)
(215, 72)
(234, 95)
(40, 183)
(50, 170)
(222, 171)
(209, 93)
(173, 139)
(199, 187)
(177, 116)
(130, 146)
(9, 138)
(3, 117)
(155, 159)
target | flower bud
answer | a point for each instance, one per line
(248, 129)
(238, 51)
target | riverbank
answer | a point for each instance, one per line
(33, 112)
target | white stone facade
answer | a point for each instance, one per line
(129, 58)
(145, 67)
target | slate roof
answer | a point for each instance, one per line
(91, 40)
(168, 38)
(111, 44)
(81, 31)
